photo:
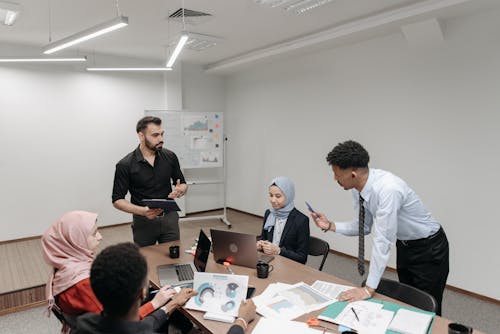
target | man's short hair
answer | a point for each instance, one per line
(348, 154)
(143, 123)
(117, 277)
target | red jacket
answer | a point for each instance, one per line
(81, 299)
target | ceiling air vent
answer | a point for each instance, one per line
(191, 17)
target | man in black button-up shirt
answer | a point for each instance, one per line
(146, 173)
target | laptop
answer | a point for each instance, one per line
(237, 248)
(182, 274)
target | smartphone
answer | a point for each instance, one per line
(310, 208)
(250, 292)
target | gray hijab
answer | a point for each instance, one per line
(287, 187)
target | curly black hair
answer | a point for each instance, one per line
(143, 123)
(348, 154)
(117, 277)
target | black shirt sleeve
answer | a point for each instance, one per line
(121, 182)
(176, 173)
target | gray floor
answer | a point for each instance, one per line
(462, 308)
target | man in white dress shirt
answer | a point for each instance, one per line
(393, 213)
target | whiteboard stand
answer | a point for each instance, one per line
(222, 217)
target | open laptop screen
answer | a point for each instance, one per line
(202, 252)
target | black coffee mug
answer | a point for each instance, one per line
(455, 328)
(263, 269)
(174, 252)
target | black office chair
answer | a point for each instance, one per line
(407, 294)
(68, 321)
(319, 247)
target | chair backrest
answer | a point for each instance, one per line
(407, 294)
(319, 247)
(68, 321)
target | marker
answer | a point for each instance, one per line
(355, 314)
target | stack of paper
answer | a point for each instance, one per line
(329, 289)
(289, 302)
(409, 322)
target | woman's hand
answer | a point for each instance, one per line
(270, 248)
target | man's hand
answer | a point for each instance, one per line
(259, 245)
(163, 296)
(322, 221)
(179, 299)
(179, 190)
(151, 213)
(356, 294)
(270, 248)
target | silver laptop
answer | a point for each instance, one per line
(182, 274)
(237, 248)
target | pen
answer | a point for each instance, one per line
(355, 314)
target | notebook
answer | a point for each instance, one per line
(409, 322)
(237, 248)
(182, 274)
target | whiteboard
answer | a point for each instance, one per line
(195, 137)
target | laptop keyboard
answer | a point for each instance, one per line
(184, 272)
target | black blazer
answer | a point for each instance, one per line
(294, 241)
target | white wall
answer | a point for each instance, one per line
(63, 130)
(430, 116)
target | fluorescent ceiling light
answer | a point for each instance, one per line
(137, 69)
(41, 60)
(297, 6)
(9, 12)
(98, 30)
(178, 49)
(200, 42)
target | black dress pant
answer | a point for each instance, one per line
(160, 229)
(424, 264)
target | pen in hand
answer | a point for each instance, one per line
(355, 314)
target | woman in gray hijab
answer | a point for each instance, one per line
(285, 230)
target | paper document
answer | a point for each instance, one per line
(267, 326)
(218, 293)
(331, 290)
(291, 302)
(409, 322)
(364, 317)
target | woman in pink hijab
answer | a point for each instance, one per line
(69, 247)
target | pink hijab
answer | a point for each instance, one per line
(66, 250)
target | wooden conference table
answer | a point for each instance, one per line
(285, 271)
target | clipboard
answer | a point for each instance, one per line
(161, 203)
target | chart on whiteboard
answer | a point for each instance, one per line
(195, 137)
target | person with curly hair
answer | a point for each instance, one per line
(119, 278)
(390, 210)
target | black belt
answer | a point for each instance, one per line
(419, 242)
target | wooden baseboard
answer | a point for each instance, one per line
(450, 287)
(20, 300)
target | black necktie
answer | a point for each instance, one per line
(361, 242)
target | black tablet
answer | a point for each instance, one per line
(165, 204)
